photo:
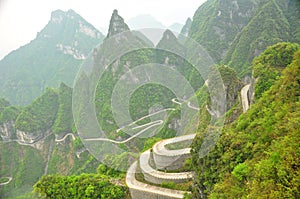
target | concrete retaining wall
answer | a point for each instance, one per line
(157, 177)
(171, 159)
(169, 163)
(139, 190)
(163, 159)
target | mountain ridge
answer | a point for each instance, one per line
(54, 56)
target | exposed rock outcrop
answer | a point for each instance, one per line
(229, 94)
(7, 130)
(28, 138)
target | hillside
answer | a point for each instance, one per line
(273, 23)
(185, 30)
(234, 32)
(216, 23)
(40, 139)
(54, 56)
(268, 66)
(255, 156)
(147, 96)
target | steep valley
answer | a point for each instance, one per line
(88, 116)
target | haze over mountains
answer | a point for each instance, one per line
(147, 21)
(54, 56)
(254, 44)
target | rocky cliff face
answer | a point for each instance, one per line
(74, 28)
(28, 138)
(232, 86)
(7, 130)
(8, 134)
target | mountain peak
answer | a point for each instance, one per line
(69, 23)
(116, 24)
(55, 54)
(58, 16)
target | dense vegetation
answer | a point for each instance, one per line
(86, 186)
(3, 103)
(185, 30)
(39, 116)
(216, 23)
(271, 24)
(64, 118)
(25, 164)
(234, 32)
(267, 66)
(148, 95)
(9, 113)
(255, 156)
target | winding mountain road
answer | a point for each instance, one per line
(9, 179)
(80, 152)
(166, 159)
(152, 124)
(144, 117)
(174, 100)
(244, 94)
(62, 139)
(160, 147)
(147, 125)
(142, 190)
(157, 177)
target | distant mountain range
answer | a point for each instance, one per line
(147, 21)
(222, 27)
(55, 55)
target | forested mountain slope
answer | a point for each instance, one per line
(257, 155)
(54, 56)
(275, 21)
(236, 31)
(216, 23)
(40, 139)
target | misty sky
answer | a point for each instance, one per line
(20, 20)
